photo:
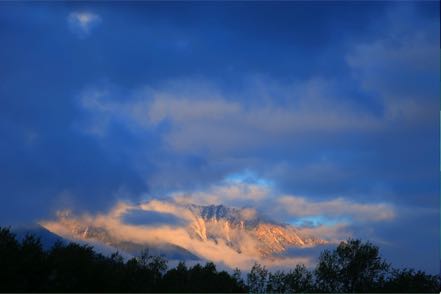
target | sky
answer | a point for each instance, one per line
(322, 114)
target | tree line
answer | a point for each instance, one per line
(354, 266)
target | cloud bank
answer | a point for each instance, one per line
(172, 222)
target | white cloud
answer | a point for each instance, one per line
(82, 22)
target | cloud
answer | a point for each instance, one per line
(81, 23)
(223, 124)
(401, 66)
(309, 135)
(226, 193)
(218, 251)
(312, 134)
(171, 221)
(337, 210)
(218, 124)
(138, 216)
(339, 207)
(392, 74)
(356, 116)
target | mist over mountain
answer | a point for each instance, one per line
(220, 222)
(235, 231)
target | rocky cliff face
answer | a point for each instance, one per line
(237, 226)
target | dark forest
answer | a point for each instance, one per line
(354, 266)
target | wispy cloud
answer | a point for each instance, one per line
(401, 66)
(288, 207)
(335, 208)
(312, 133)
(225, 193)
(218, 123)
(81, 23)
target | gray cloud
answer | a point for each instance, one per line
(338, 207)
(152, 218)
(401, 66)
(218, 124)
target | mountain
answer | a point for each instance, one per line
(218, 222)
(242, 229)
(88, 233)
(47, 238)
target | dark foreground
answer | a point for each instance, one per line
(353, 266)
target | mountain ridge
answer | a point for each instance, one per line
(273, 237)
(244, 230)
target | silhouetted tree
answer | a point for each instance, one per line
(176, 279)
(237, 276)
(411, 281)
(74, 268)
(9, 265)
(33, 270)
(257, 279)
(352, 267)
(151, 270)
(277, 283)
(299, 280)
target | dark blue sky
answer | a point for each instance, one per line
(101, 102)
